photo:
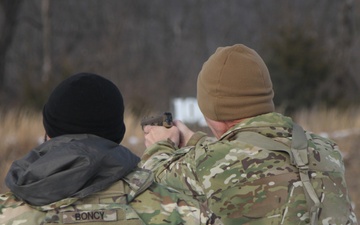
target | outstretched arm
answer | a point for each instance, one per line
(172, 166)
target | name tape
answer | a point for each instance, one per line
(89, 216)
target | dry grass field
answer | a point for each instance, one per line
(21, 130)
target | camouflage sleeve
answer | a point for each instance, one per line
(172, 208)
(162, 151)
(156, 154)
(175, 168)
(15, 211)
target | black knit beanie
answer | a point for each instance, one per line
(85, 103)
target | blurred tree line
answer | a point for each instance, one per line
(153, 50)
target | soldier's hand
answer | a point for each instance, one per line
(185, 133)
(154, 134)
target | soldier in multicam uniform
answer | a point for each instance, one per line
(262, 168)
(82, 175)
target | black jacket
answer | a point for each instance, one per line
(69, 166)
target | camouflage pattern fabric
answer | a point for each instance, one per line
(245, 183)
(131, 201)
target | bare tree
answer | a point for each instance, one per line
(46, 67)
(10, 10)
(143, 46)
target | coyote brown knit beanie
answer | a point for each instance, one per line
(85, 103)
(234, 83)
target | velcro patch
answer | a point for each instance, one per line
(89, 216)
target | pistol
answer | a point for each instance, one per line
(164, 119)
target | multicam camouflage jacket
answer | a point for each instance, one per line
(86, 179)
(245, 180)
(133, 200)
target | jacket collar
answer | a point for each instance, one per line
(69, 166)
